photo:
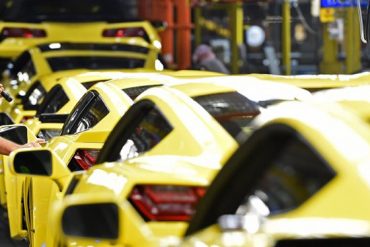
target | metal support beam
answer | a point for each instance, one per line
(286, 38)
(352, 42)
(349, 60)
(183, 44)
(237, 28)
(198, 26)
(329, 63)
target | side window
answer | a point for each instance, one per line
(94, 112)
(54, 100)
(76, 112)
(145, 134)
(34, 96)
(290, 179)
(23, 68)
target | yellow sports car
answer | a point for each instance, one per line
(60, 100)
(56, 106)
(24, 24)
(82, 218)
(155, 196)
(64, 59)
(166, 115)
(200, 118)
(309, 159)
(83, 134)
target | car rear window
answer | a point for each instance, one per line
(22, 69)
(232, 110)
(34, 96)
(55, 99)
(68, 10)
(293, 177)
(66, 63)
(87, 113)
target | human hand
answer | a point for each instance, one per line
(37, 143)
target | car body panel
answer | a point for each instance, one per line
(319, 82)
(13, 186)
(202, 145)
(73, 32)
(36, 61)
(47, 78)
(270, 232)
(65, 146)
(138, 171)
(334, 129)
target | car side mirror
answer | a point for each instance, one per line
(95, 220)
(33, 163)
(39, 162)
(15, 133)
(5, 119)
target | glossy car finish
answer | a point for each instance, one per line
(60, 100)
(163, 171)
(67, 93)
(13, 185)
(198, 118)
(318, 82)
(70, 84)
(313, 231)
(110, 101)
(25, 24)
(322, 145)
(63, 97)
(38, 69)
(182, 127)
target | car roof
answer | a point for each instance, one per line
(191, 73)
(318, 82)
(144, 81)
(355, 99)
(254, 89)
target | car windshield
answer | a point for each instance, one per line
(92, 62)
(67, 10)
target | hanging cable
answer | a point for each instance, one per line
(358, 5)
(295, 4)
